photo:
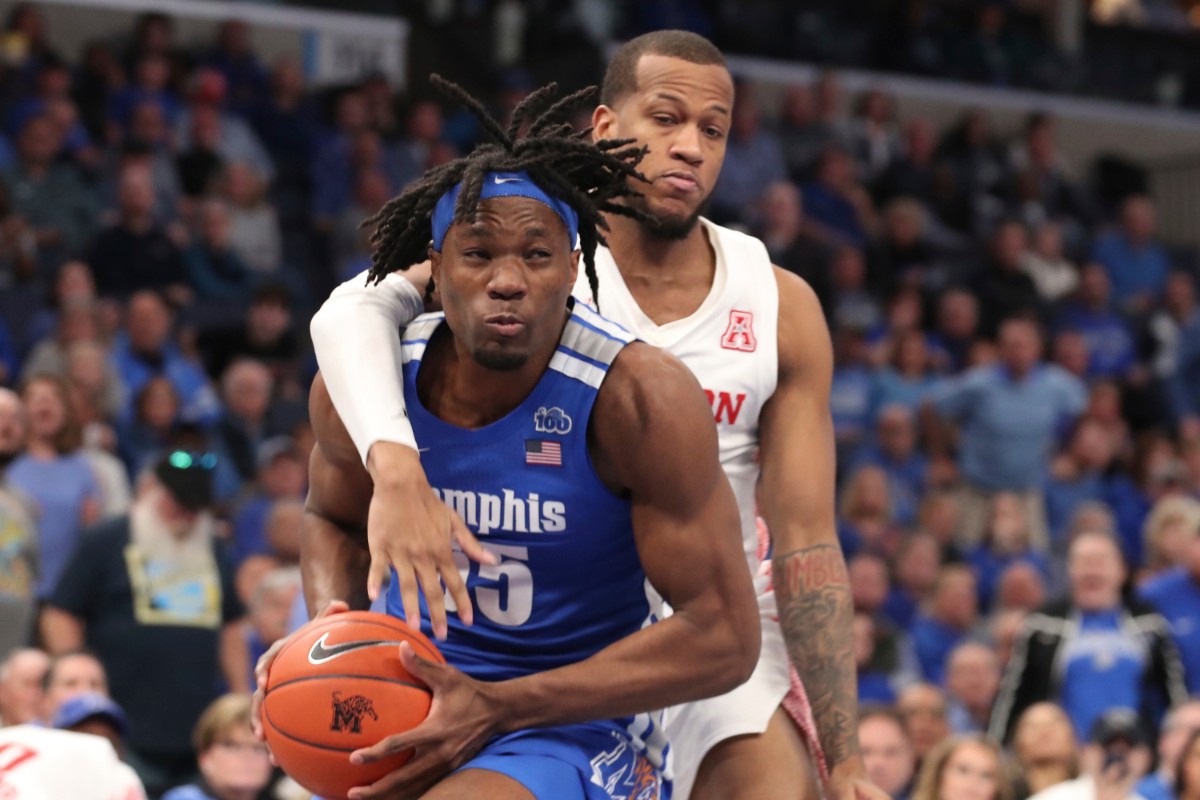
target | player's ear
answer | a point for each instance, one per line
(604, 123)
(575, 265)
(435, 264)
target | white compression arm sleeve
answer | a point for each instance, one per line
(356, 337)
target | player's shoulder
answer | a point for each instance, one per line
(645, 383)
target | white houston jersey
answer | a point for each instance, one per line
(46, 764)
(730, 343)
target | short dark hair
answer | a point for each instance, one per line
(55, 661)
(620, 79)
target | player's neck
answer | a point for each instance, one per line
(642, 255)
(456, 389)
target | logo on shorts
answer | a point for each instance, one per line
(348, 714)
(551, 420)
(739, 335)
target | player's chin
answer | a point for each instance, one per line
(499, 356)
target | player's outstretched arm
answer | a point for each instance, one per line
(797, 501)
(356, 338)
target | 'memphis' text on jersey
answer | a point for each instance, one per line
(507, 511)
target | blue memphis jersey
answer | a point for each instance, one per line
(570, 581)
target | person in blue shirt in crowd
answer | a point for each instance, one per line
(233, 763)
(1176, 595)
(895, 452)
(1005, 542)
(144, 350)
(1108, 336)
(1092, 651)
(1010, 416)
(948, 621)
(1135, 261)
(1178, 728)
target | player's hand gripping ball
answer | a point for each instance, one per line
(338, 686)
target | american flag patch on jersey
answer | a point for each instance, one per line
(540, 451)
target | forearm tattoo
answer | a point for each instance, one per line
(813, 595)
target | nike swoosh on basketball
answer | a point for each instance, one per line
(319, 653)
(498, 179)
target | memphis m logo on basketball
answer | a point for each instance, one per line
(348, 714)
(739, 335)
(551, 420)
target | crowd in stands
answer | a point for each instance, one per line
(1016, 400)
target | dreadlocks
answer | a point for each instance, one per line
(588, 176)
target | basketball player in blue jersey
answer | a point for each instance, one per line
(755, 337)
(585, 462)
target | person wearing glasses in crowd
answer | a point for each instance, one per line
(234, 765)
(152, 596)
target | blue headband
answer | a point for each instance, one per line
(502, 184)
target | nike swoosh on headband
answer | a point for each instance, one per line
(319, 653)
(498, 179)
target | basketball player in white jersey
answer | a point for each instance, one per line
(38, 763)
(755, 337)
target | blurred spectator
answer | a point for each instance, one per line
(229, 137)
(975, 165)
(872, 134)
(1071, 353)
(246, 390)
(972, 680)
(837, 201)
(911, 172)
(52, 97)
(1179, 728)
(1003, 628)
(18, 535)
(254, 232)
(789, 241)
(154, 32)
(71, 674)
(951, 616)
(964, 768)
(266, 335)
(875, 666)
(21, 675)
(1021, 587)
(145, 350)
(147, 146)
(1044, 749)
(1006, 541)
(1108, 336)
(1136, 262)
(865, 519)
(268, 611)
(1038, 171)
(1184, 388)
(48, 195)
(917, 566)
(853, 308)
(908, 379)
(233, 762)
(76, 322)
(136, 253)
(850, 391)
(281, 474)
(234, 58)
(1009, 415)
(939, 518)
(1113, 761)
(895, 452)
(887, 752)
(214, 268)
(868, 575)
(180, 614)
(1008, 289)
(1175, 593)
(1053, 275)
(286, 122)
(753, 161)
(1083, 473)
(199, 164)
(1168, 532)
(351, 245)
(957, 329)
(151, 85)
(96, 715)
(922, 706)
(148, 430)
(902, 256)
(1112, 654)
(341, 159)
(423, 131)
(98, 75)
(56, 475)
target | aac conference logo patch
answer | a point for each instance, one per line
(739, 335)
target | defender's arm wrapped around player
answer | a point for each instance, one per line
(686, 529)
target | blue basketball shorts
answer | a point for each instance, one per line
(575, 762)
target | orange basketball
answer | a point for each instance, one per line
(338, 686)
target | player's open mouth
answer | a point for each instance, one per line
(505, 324)
(681, 181)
